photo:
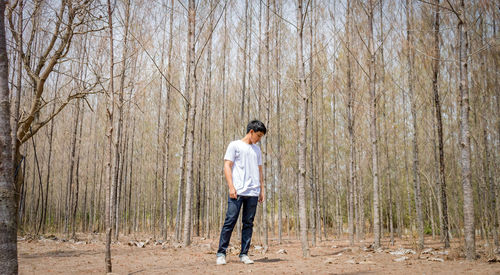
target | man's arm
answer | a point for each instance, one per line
(228, 165)
(261, 175)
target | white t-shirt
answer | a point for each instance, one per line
(246, 159)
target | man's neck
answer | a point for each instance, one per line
(246, 139)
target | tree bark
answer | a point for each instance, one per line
(8, 209)
(312, 152)
(373, 129)
(166, 127)
(111, 151)
(388, 168)
(350, 127)
(416, 165)
(437, 107)
(120, 163)
(77, 173)
(303, 99)
(465, 150)
(17, 96)
(191, 89)
(245, 58)
(278, 125)
(71, 178)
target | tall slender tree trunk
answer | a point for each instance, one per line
(416, 165)
(16, 143)
(245, 58)
(201, 156)
(158, 143)
(111, 152)
(120, 163)
(389, 168)
(166, 136)
(8, 208)
(131, 180)
(311, 216)
(180, 190)
(74, 206)
(267, 116)
(208, 179)
(278, 124)
(312, 160)
(71, 178)
(49, 160)
(350, 127)
(359, 193)
(465, 150)
(93, 198)
(303, 99)
(437, 107)
(373, 130)
(15, 108)
(191, 89)
(398, 189)
(84, 220)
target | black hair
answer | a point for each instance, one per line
(256, 126)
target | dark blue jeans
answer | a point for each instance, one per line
(233, 211)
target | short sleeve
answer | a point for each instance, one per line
(230, 152)
(259, 156)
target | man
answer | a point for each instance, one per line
(243, 171)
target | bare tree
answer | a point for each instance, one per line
(245, 58)
(373, 126)
(70, 16)
(437, 108)
(277, 49)
(120, 163)
(111, 146)
(465, 150)
(416, 165)
(8, 209)
(303, 99)
(350, 127)
(191, 96)
(166, 135)
(389, 169)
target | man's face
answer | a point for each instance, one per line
(255, 136)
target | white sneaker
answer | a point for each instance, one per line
(245, 259)
(221, 260)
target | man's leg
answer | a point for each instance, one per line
(249, 209)
(233, 210)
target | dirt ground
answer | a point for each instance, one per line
(52, 255)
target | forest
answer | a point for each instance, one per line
(382, 116)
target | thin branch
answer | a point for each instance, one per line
(37, 126)
(183, 5)
(434, 4)
(279, 16)
(211, 33)
(305, 14)
(158, 68)
(454, 11)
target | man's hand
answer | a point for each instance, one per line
(228, 165)
(232, 193)
(261, 195)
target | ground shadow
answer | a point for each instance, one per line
(334, 253)
(267, 260)
(58, 254)
(353, 273)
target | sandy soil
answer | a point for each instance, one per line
(49, 255)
